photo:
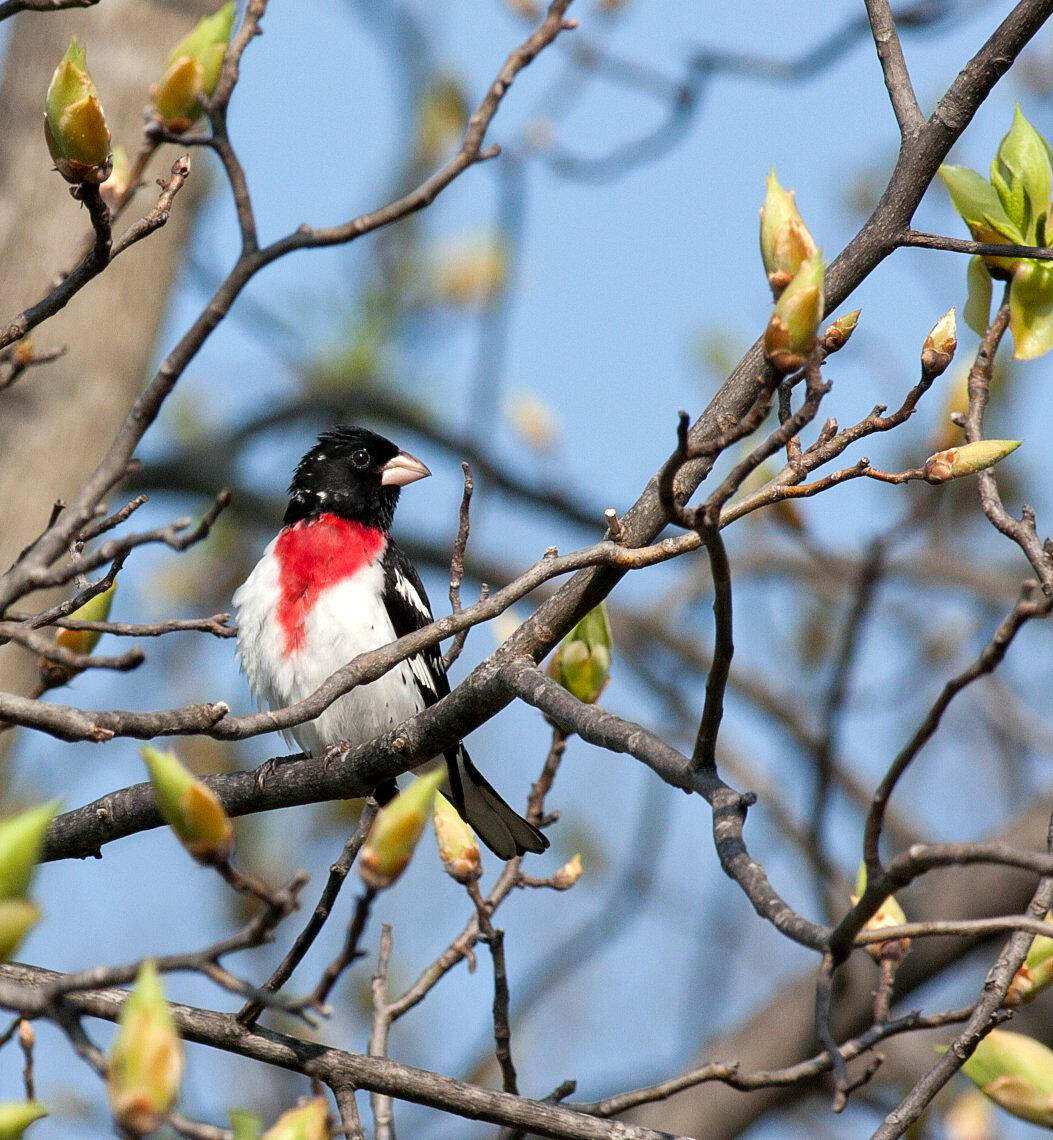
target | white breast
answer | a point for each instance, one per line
(347, 619)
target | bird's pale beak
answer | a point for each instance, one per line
(402, 470)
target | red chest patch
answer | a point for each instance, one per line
(313, 556)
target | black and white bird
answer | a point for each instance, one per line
(334, 584)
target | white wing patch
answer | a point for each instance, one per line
(422, 673)
(412, 597)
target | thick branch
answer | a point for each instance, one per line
(22, 988)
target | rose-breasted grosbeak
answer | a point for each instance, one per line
(333, 584)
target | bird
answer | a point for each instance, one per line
(332, 584)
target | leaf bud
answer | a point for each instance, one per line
(441, 118)
(193, 71)
(838, 334)
(970, 1116)
(21, 842)
(938, 350)
(967, 459)
(470, 273)
(1035, 973)
(890, 913)
(94, 609)
(17, 919)
(582, 663)
(189, 806)
(790, 335)
(17, 1116)
(308, 1121)
(784, 238)
(456, 842)
(146, 1060)
(245, 1125)
(74, 124)
(1015, 1072)
(396, 830)
(568, 874)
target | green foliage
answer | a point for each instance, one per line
(1010, 209)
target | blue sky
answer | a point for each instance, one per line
(616, 284)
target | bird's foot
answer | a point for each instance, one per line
(269, 767)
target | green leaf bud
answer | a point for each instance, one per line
(146, 1060)
(189, 806)
(396, 830)
(784, 238)
(193, 71)
(968, 459)
(21, 842)
(582, 663)
(790, 335)
(74, 124)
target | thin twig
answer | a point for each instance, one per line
(495, 939)
(457, 564)
(894, 67)
(382, 1106)
(338, 873)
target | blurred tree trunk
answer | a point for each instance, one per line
(59, 418)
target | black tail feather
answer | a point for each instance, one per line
(503, 830)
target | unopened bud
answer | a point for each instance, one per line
(193, 71)
(938, 349)
(568, 874)
(967, 459)
(1015, 1072)
(456, 841)
(784, 238)
(17, 1116)
(1036, 972)
(146, 1061)
(790, 335)
(838, 334)
(17, 919)
(94, 609)
(442, 118)
(890, 913)
(582, 663)
(74, 124)
(308, 1121)
(396, 830)
(21, 842)
(534, 421)
(189, 807)
(471, 272)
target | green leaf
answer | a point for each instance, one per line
(979, 205)
(1031, 309)
(1021, 175)
(977, 311)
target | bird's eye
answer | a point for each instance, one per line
(360, 458)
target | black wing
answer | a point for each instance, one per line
(504, 831)
(408, 606)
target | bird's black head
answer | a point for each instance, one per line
(353, 473)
